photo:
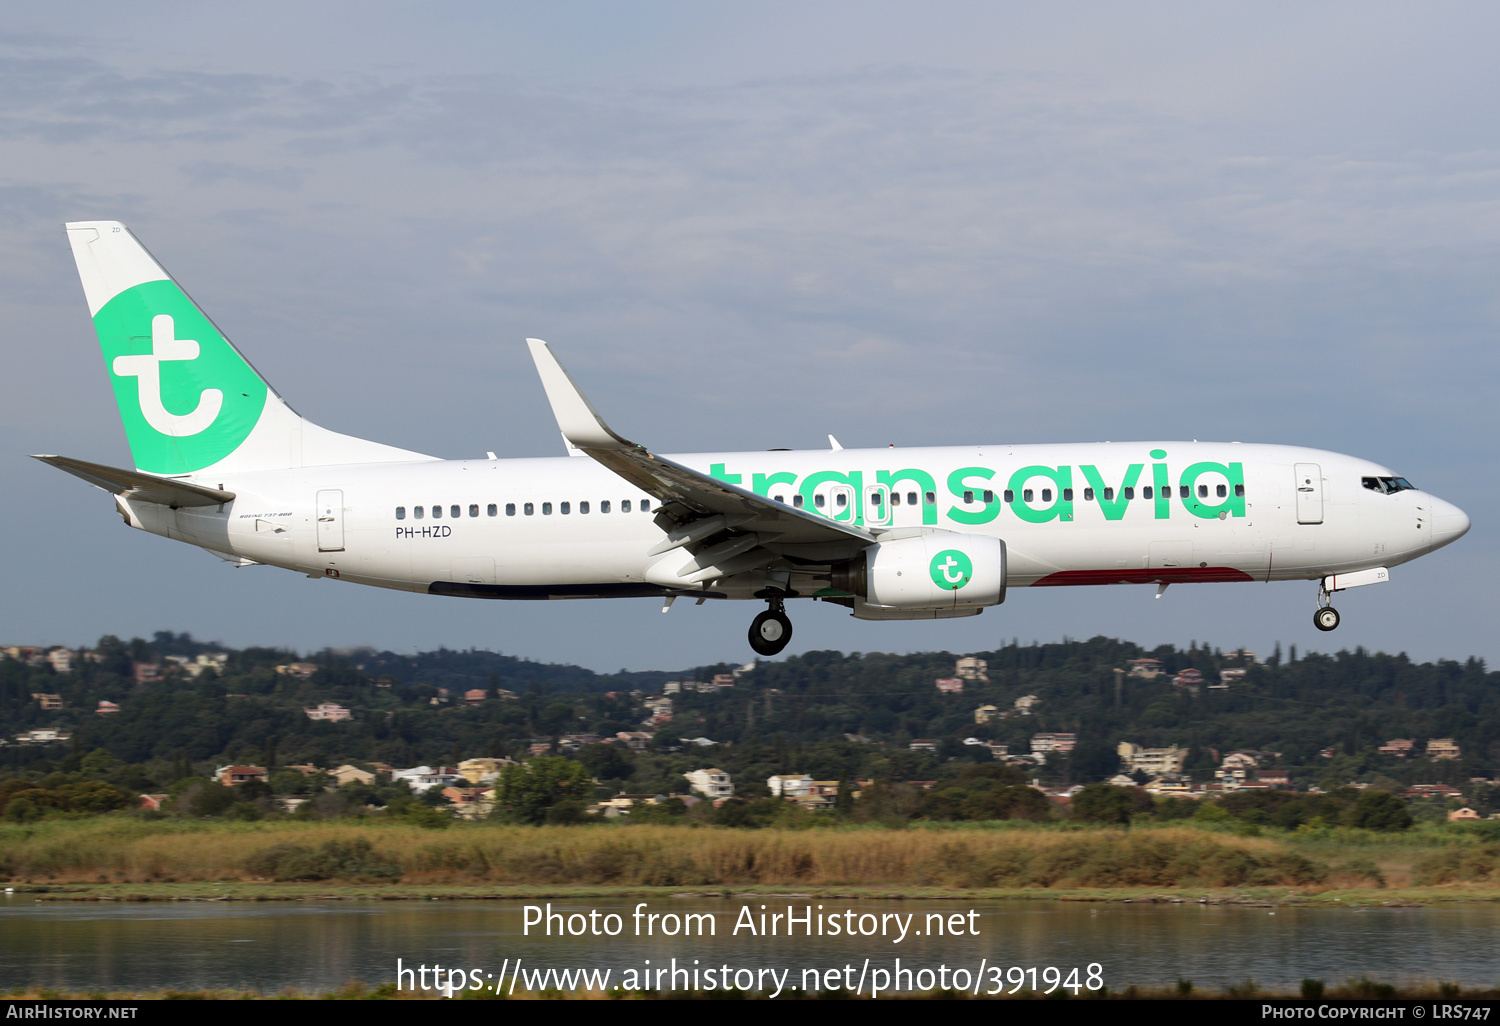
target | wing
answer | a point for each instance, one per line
(132, 484)
(696, 507)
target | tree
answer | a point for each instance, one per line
(1093, 759)
(526, 793)
(1104, 803)
(1379, 810)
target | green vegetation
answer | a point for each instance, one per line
(837, 718)
(1005, 855)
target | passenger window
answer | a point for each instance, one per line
(565, 508)
(455, 512)
(583, 507)
(1067, 495)
(1184, 492)
(989, 496)
(546, 509)
(931, 498)
(624, 505)
(818, 501)
(494, 510)
(1203, 491)
(781, 499)
(797, 501)
(1046, 494)
(1088, 495)
(1129, 493)
(875, 499)
(474, 509)
(841, 500)
(416, 512)
(530, 509)
(911, 498)
(604, 506)
(645, 505)
(1109, 494)
(895, 498)
(1009, 496)
(1221, 491)
(510, 509)
(1239, 491)
(400, 512)
(437, 512)
(968, 497)
(1146, 492)
(1026, 494)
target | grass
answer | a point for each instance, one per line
(1046, 861)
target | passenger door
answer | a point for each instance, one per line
(331, 520)
(1309, 486)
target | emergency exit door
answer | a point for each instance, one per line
(331, 521)
(1309, 493)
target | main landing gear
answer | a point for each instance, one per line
(772, 630)
(1325, 618)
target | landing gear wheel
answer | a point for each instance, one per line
(1326, 619)
(770, 632)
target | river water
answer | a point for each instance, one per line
(319, 946)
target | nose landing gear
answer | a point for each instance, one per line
(1325, 618)
(771, 631)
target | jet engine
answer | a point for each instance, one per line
(932, 571)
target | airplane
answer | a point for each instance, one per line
(221, 461)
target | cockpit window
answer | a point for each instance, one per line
(1387, 485)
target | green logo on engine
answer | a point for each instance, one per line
(187, 398)
(951, 569)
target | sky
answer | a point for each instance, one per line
(750, 226)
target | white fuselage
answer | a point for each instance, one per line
(542, 528)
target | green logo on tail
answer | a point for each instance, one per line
(951, 569)
(186, 397)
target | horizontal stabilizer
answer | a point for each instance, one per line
(132, 484)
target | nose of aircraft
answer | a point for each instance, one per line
(1449, 523)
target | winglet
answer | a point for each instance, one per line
(578, 421)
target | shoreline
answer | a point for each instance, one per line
(237, 891)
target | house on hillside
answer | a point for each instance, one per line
(1152, 761)
(229, 776)
(711, 783)
(1443, 748)
(789, 785)
(972, 668)
(425, 778)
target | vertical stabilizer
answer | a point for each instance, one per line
(189, 401)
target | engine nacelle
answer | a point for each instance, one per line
(929, 571)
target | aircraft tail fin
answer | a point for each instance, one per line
(189, 400)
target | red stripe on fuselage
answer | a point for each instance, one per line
(1158, 575)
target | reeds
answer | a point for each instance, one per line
(132, 851)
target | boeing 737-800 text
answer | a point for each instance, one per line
(222, 462)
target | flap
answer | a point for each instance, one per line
(132, 484)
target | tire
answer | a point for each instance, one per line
(769, 633)
(1326, 619)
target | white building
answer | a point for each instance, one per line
(1152, 761)
(425, 778)
(789, 785)
(711, 783)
